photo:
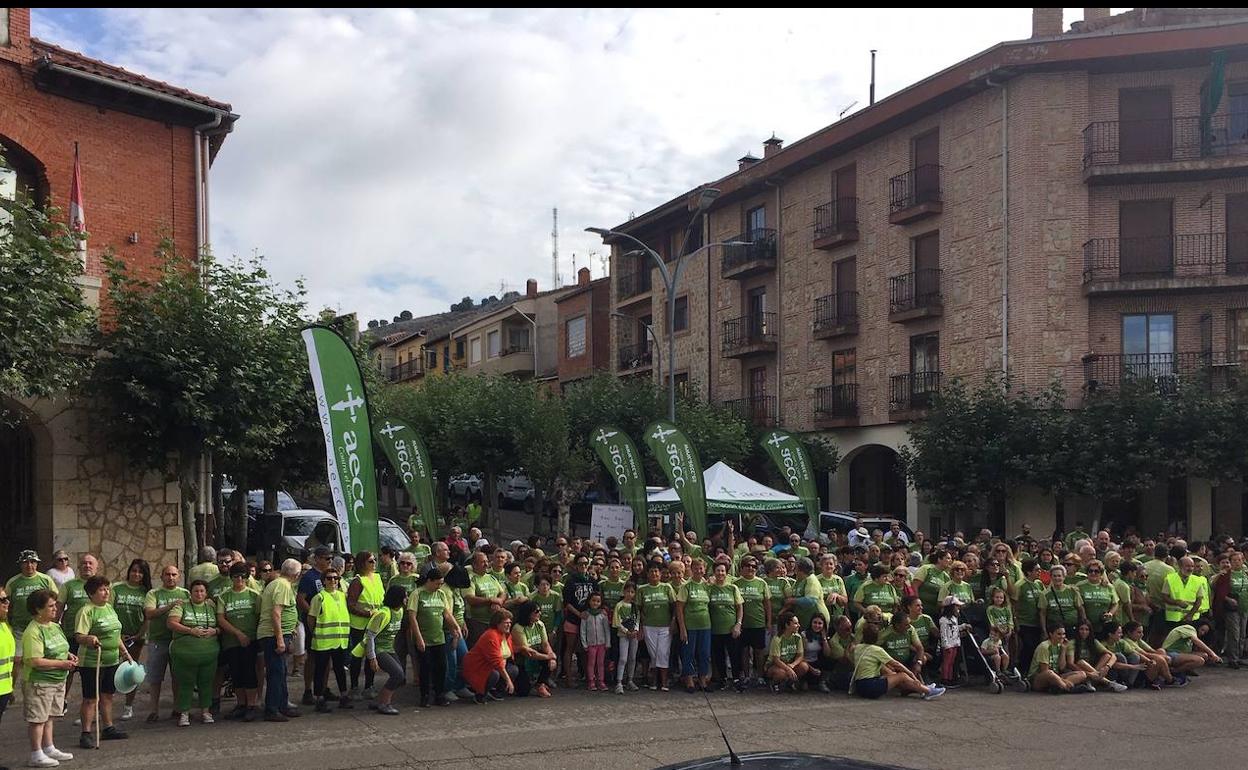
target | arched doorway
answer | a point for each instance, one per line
(876, 484)
(18, 493)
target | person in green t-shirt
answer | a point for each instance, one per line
(194, 652)
(377, 646)
(957, 585)
(238, 617)
(97, 630)
(876, 672)
(931, 577)
(530, 644)
(1158, 661)
(786, 659)
(1053, 668)
(626, 624)
(46, 662)
(22, 585)
(727, 611)
(756, 619)
(431, 623)
(157, 605)
(128, 598)
(808, 597)
(901, 641)
(1235, 617)
(654, 602)
(72, 598)
(1100, 601)
(278, 615)
(878, 591)
(612, 586)
(1187, 650)
(693, 616)
(1062, 604)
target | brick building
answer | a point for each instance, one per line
(146, 148)
(1052, 208)
(584, 344)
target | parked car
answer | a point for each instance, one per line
(465, 485)
(297, 525)
(255, 511)
(514, 487)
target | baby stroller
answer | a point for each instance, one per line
(996, 682)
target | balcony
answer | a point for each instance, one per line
(836, 315)
(1165, 371)
(1212, 261)
(836, 223)
(748, 335)
(757, 254)
(836, 406)
(910, 395)
(1121, 152)
(915, 295)
(517, 347)
(634, 284)
(756, 410)
(915, 195)
(408, 370)
(634, 356)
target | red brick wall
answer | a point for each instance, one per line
(595, 305)
(138, 175)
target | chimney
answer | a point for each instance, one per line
(772, 146)
(746, 160)
(1095, 14)
(582, 277)
(530, 288)
(1046, 22)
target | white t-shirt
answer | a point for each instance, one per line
(61, 576)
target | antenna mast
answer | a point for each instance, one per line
(554, 249)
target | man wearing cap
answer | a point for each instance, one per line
(20, 586)
(858, 536)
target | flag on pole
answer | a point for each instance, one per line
(77, 217)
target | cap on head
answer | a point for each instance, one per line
(28, 555)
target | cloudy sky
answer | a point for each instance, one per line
(402, 159)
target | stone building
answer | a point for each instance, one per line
(1056, 208)
(146, 148)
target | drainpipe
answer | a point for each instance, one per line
(1005, 225)
(779, 299)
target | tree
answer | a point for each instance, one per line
(406, 315)
(464, 304)
(558, 464)
(43, 319)
(187, 366)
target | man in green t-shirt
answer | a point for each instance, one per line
(483, 595)
(1235, 619)
(156, 606)
(20, 586)
(278, 615)
(1187, 650)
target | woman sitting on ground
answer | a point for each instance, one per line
(1053, 668)
(488, 668)
(786, 664)
(875, 671)
(1186, 650)
(1157, 660)
(1093, 658)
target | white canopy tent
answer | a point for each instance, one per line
(729, 492)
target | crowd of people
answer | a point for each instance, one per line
(465, 619)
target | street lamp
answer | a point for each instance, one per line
(670, 278)
(658, 356)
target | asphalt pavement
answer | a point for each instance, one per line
(968, 728)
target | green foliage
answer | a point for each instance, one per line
(43, 319)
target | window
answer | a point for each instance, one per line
(1238, 326)
(4, 26)
(518, 339)
(474, 350)
(431, 359)
(1237, 111)
(494, 344)
(695, 237)
(459, 349)
(576, 337)
(755, 219)
(682, 383)
(1148, 335)
(925, 353)
(1145, 129)
(758, 382)
(680, 320)
(446, 358)
(1146, 238)
(845, 367)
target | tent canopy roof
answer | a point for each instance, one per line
(729, 491)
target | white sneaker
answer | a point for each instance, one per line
(43, 760)
(206, 718)
(464, 693)
(619, 688)
(77, 721)
(184, 719)
(57, 754)
(1117, 687)
(452, 697)
(632, 686)
(127, 713)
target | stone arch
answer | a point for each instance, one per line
(25, 484)
(31, 171)
(876, 484)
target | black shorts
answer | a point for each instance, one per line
(242, 661)
(4, 702)
(135, 647)
(754, 638)
(107, 685)
(872, 688)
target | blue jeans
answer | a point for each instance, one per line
(697, 653)
(276, 697)
(455, 653)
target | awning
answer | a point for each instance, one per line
(729, 492)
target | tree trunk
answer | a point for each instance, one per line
(443, 491)
(238, 516)
(539, 510)
(392, 498)
(218, 510)
(270, 510)
(490, 495)
(187, 489)
(565, 516)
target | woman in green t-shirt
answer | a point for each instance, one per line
(1061, 605)
(238, 617)
(97, 629)
(377, 646)
(1053, 667)
(786, 660)
(46, 662)
(654, 602)
(531, 646)
(194, 651)
(931, 577)
(1100, 601)
(1093, 658)
(128, 600)
(876, 672)
(431, 624)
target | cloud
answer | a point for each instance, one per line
(401, 159)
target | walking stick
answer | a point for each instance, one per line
(98, 656)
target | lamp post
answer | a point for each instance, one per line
(670, 278)
(658, 354)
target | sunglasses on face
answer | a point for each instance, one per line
(266, 569)
(5, 600)
(60, 558)
(1094, 571)
(331, 578)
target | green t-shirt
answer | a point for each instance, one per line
(787, 647)
(422, 551)
(723, 605)
(534, 636)
(408, 582)
(516, 590)
(1122, 590)
(1239, 588)
(44, 640)
(812, 588)
(549, 605)
(159, 598)
(1061, 606)
(925, 627)
(1000, 617)
(834, 584)
(19, 587)
(753, 591)
(961, 590)
(655, 603)
(869, 661)
(1179, 639)
(483, 587)
(128, 603)
(1028, 602)
(277, 593)
(611, 591)
(696, 597)
(219, 585)
(194, 615)
(459, 606)
(624, 617)
(883, 595)
(73, 596)
(386, 624)
(778, 589)
(430, 609)
(898, 644)
(933, 579)
(1049, 653)
(1097, 599)
(242, 610)
(101, 622)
